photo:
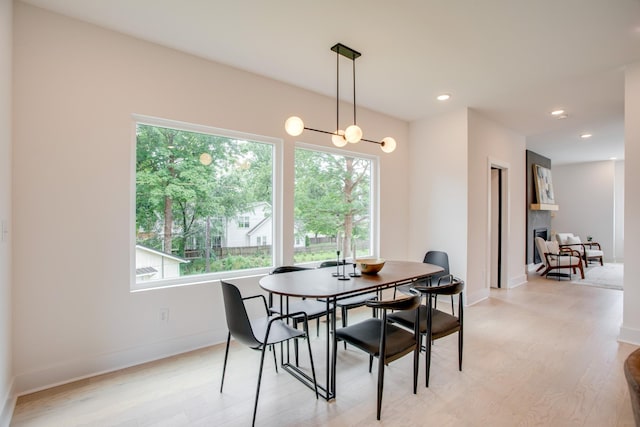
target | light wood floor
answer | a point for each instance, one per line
(542, 354)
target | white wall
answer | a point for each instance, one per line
(618, 215)
(630, 330)
(438, 188)
(6, 376)
(491, 144)
(76, 87)
(585, 194)
(451, 155)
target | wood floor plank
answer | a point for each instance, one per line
(543, 354)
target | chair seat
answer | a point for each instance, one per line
(279, 332)
(442, 324)
(594, 253)
(564, 260)
(313, 308)
(355, 301)
(366, 336)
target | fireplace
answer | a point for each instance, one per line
(538, 232)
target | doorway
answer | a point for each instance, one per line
(498, 224)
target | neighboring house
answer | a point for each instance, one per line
(155, 265)
(253, 227)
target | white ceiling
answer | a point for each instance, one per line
(512, 60)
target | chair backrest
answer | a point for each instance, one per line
(541, 244)
(409, 303)
(325, 264)
(439, 258)
(287, 269)
(237, 318)
(563, 237)
(455, 287)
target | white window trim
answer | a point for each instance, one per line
(276, 248)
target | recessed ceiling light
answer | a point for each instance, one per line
(557, 112)
(443, 97)
(612, 158)
(586, 135)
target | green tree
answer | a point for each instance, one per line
(332, 193)
(183, 198)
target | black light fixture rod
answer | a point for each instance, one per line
(333, 133)
(354, 92)
(337, 91)
(321, 131)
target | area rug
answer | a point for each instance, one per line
(608, 275)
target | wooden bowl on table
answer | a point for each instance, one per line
(370, 265)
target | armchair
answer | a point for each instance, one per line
(553, 257)
(589, 251)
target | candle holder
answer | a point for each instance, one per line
(355, 272)
(337, 273)
(344, 275)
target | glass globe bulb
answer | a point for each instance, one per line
(353, 134)
(338, 138)
(294, 126)
(206, 159)
(388, 144)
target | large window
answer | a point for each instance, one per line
(204, 203)
(333, 197)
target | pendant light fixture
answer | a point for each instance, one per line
(352, 134)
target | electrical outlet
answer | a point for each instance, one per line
(164, 314)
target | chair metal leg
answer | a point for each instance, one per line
(313, 369)
(224, 365)
(460, 349)
(427, 359)
(255, 406)
(275, 361)
(344, 323)
(295, 343)
(380, 383)
(416, 360)
(370, 363)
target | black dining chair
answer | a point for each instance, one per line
(441, 259)
(260, 333)
(314, 309)
(346, 304)
(434, 323)
(387, 342)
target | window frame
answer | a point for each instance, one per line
(374, 224)
(276, 210)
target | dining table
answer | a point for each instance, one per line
(331, 285)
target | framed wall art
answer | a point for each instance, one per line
(544, 186)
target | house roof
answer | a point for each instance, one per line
(145, 271)
(162, 254)
(259, 225)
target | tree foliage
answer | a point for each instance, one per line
(176, 192)
(332, 194)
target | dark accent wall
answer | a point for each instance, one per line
(535, 219)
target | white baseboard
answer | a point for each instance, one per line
(477, 296)
(77, 369)
(629, 335)
(8, 405)
(514, 282)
